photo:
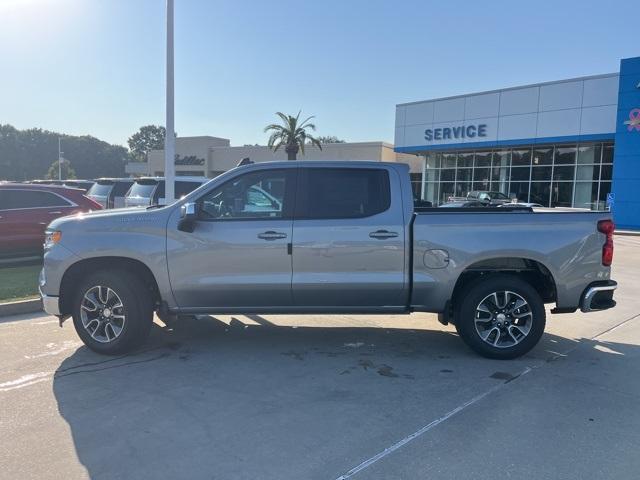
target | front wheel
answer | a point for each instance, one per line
(500, 316)
(112, 312)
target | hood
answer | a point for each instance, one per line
(130, 216)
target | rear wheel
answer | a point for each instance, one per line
(500, 316)
(112, 312)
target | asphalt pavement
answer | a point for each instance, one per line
(326, 397)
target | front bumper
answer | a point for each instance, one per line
(50, 304)
(598, 296)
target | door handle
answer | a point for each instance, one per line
(55, 213)
(271, 235)
(382, 234)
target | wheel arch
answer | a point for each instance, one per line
(532, 271)
(84, 267)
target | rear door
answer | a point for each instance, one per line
(348, 238)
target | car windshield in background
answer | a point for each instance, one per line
(142, 189)
(100, 189)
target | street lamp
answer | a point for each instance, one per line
(169, 139)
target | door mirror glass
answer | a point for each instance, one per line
(188, 217)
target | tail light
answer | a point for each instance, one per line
(607, 227)
(93, 205)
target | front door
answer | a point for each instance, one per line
(349, 238)
(238, 255)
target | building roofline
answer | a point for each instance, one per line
(519, 87)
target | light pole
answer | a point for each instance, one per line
(169, 139)
(59, 161)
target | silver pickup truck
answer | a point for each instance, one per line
(325, 237)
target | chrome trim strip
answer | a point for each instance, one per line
(50, 304)
(585, 305)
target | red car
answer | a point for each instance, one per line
(27, 209)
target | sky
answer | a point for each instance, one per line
(96, 67)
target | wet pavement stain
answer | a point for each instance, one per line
(387, 371)
(501, 376)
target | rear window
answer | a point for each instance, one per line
(142, 189)
(121, 188)
(342, 193)
(15, 199)
(101, 189)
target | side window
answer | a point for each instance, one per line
(184, 188)
(255, 195)
(120, 189)
(15, 199)
(343, 193)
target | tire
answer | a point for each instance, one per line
(500, 316)
(112, 312)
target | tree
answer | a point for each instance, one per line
(149, 137)
(67, 171)
(292, 134)
(28, 154)
(329, 139)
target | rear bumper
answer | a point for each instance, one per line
(50, 304)
(598, 296)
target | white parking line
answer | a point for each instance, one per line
(25, 381)
(423, 430)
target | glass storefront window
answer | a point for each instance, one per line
(565, 155)
(607, 153)
(588, 172)
(464, 175)
(540, 173)
(521, 158)
(561, 194)
(447, 174)
(465, 160)
(481, 174)
(585, 195)
(520, 173)
(540, 192)
(448, 160)
(589, 154)
(520, 190)
(560, 175)
(483, 159)
(564, 172)
(543, 156)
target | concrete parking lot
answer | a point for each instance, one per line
(310, 397)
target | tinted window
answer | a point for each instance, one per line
(12, 199)
(184, 188)
(142, 189)
(342, 193)
(252, 195)
(100, 189)
(121, 188)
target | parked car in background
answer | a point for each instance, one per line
(150, 190)
(83, 185)
(465, 204)
(27, 209)
(494, 198)
(110, 192)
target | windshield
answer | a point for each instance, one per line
(142, 189)
(100, 189)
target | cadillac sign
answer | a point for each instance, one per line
(452, 133)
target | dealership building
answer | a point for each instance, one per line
(569, 143)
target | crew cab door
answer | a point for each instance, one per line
(237, 255)
(348, 238)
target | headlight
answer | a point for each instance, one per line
(51, 238)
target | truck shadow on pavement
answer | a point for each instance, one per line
(217, 400)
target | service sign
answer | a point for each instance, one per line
(459, 132)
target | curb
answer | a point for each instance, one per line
(20, 307)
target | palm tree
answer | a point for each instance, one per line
(292, 134)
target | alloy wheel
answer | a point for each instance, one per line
(102, 314)
(503, 319)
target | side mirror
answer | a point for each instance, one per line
(188, 217)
